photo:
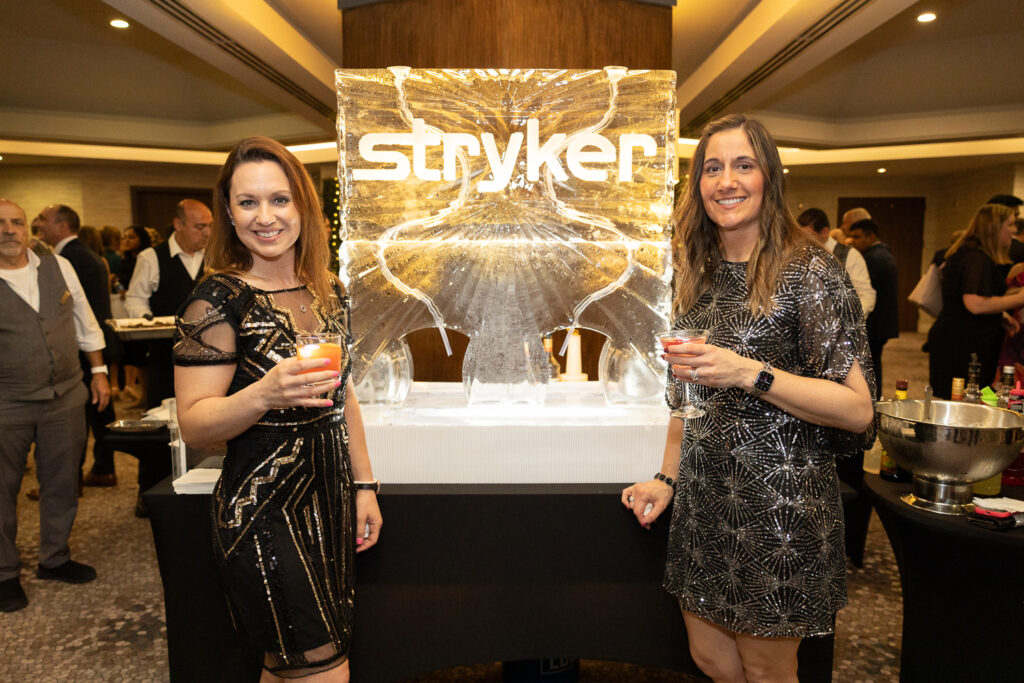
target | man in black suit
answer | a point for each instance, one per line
(883, 323)
(58, 226)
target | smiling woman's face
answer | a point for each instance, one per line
(731, 182)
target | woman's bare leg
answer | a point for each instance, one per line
(713, 648)
(768, 660)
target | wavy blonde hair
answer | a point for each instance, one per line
(225, 253)
(984, 232)
(696, 247)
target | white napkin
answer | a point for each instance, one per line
(1005, 504)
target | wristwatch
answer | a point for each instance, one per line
(99, 369)
(368, 486)
(764, 380)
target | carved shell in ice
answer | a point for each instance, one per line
(506, 204)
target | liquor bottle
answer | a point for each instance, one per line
(887, 467)
(1014, 474)
(1005, 386)
(956, 393)
(993, 486)
(553, 366)
(972, 392)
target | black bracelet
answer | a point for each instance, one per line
(368, 486)
(668, 480)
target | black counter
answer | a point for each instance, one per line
(963, 591)
(464, 574)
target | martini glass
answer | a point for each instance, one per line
(684, 336)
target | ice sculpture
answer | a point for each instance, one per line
(506, 204)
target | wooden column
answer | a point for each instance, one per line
(543, 34)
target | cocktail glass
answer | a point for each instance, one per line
(308, 346)
(684, 336)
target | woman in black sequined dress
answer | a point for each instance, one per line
(755, 552)
(296, 499)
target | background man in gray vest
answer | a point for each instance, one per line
(45, 320)
(815, 222)
(58, 227)
(164, 277)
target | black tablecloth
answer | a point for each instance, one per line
(963, 591)
(464, 574)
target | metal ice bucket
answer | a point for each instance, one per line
(948, 445)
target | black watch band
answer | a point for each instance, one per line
(368, 486)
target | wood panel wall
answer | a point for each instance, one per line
(556, 34)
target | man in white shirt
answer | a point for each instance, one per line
(163, 279)
(815, 222)
(45, 320)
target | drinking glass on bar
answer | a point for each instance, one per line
(684, 336)
(320, 345)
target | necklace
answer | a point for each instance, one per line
(298, 299)
(290, 291)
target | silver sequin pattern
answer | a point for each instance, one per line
(756, 542)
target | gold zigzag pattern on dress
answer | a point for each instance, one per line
(275, 466)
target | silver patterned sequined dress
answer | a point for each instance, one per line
(756, 542)
(283, 509)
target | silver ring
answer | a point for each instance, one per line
(694, 376)
(630, 499)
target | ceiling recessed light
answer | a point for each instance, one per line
(1, 157)
(119, 23)
(926, 17)
(881, 170)
(785, 170)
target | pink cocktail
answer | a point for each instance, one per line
(684, 336)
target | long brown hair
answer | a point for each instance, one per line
(984, 232)
(225, 253)
(696, 247)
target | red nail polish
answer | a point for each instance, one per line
(359, 540)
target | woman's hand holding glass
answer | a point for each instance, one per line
(712, 366)
(295, 383)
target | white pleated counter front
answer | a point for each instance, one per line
(434, 438)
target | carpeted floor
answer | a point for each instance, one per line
(113, 628)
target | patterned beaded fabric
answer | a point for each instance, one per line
(756, 542)
(283, 510)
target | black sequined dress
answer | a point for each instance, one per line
(756, 542)
(284, 507)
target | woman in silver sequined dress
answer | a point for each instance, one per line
(296, 499)
(755, 552)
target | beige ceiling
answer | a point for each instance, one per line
(199, 74)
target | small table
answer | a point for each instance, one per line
(963, 590)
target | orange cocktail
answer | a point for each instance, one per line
(310, 346)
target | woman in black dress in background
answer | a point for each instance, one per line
(296, 499)
(974, 299)
(755, 553)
